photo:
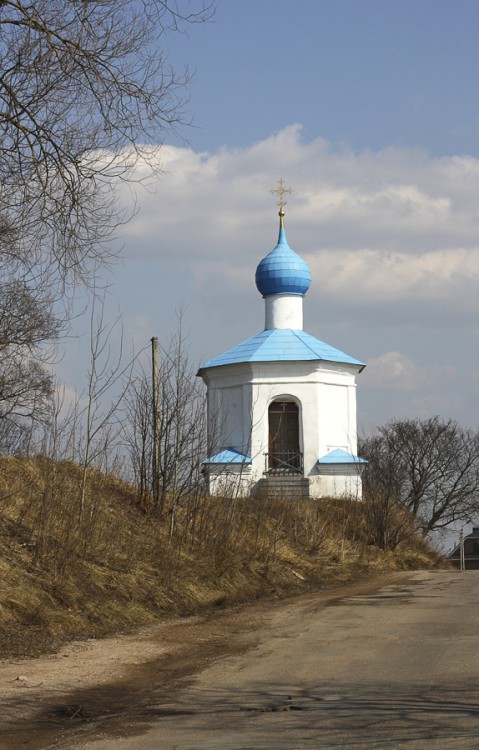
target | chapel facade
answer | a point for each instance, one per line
(282, 404)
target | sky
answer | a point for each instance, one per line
(369, 111)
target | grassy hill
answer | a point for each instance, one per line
(74, 566)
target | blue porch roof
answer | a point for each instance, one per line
(228, 456)
(338, 456)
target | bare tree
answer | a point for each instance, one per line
(27, 320)
(138, 434)
(182, 428)
(25, 384)
(430, 467)
(388, 521)
(107, 384)
(86, 92)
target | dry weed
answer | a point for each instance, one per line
(114, 567)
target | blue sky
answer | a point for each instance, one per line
(361, 73)
(369, 109)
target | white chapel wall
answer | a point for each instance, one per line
(225, 417)
(337, 418)
(326, 396)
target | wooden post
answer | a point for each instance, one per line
(156, 422)
(462, 561)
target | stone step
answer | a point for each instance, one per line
(288, 486)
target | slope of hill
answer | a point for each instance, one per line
(79, 564)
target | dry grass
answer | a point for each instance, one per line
(112, 567)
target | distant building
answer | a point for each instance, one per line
(282, 404)
(471, 551)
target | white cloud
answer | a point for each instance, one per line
(427, 404)
(396, 371)
(377, 277)
(394, 222)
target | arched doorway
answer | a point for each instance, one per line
(284, 456)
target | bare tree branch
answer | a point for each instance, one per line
(86, 91)
(430, 467)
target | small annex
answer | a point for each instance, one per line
(282, 404)
(470, 559)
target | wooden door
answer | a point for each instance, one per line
(283, 448)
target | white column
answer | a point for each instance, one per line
(284, 311)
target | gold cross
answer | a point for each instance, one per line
(281, 190)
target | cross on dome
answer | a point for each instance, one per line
(281, 190)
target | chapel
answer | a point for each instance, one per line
(282, 404)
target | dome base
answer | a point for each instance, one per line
(284, 311)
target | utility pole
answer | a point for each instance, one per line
(462, 561)
(156, 421)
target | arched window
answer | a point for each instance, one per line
(283, 445)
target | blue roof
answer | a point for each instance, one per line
(282, 271)
(282, 345)
(228, 456)
(338, 456)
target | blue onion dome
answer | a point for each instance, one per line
(282, 271)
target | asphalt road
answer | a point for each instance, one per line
(393, 668)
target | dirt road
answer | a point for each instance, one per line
(380, 665)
